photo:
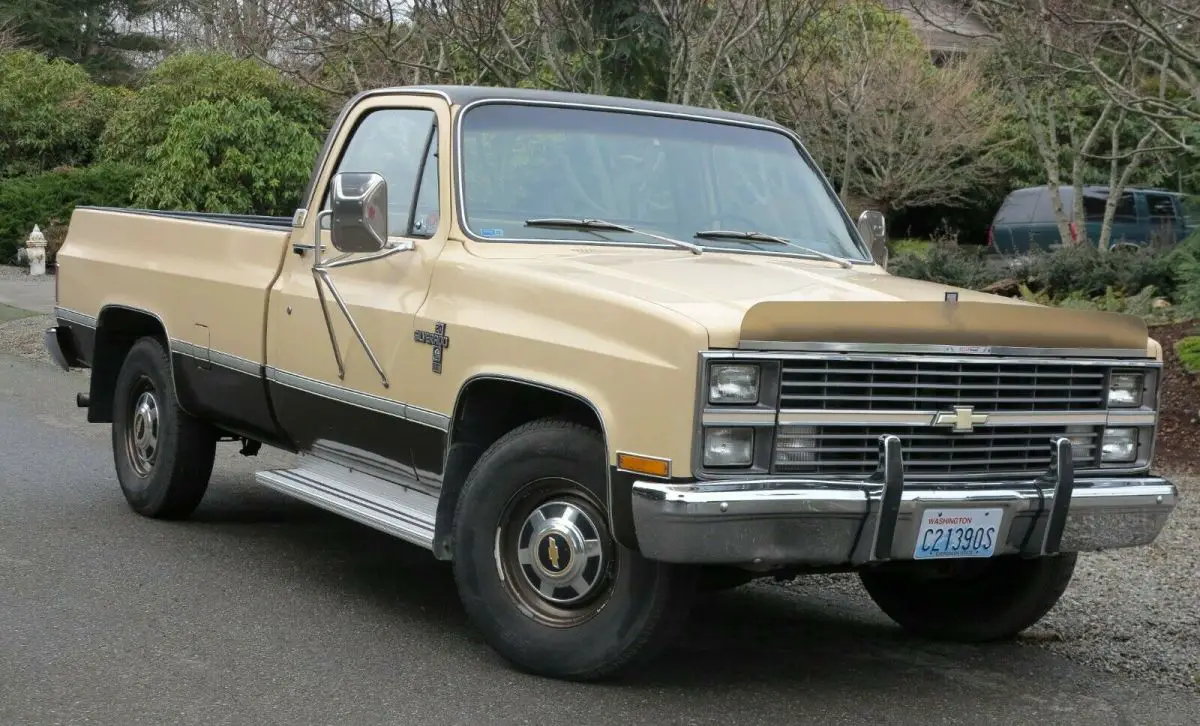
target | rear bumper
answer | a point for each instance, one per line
(778, 521)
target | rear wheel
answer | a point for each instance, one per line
(163, 456)
(970, 600)
(537, 570)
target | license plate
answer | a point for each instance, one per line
(946, 533)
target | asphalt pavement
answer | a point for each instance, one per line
(262, 610)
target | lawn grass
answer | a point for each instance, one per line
(8, 312)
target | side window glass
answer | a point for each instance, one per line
(1162, 207)
(399, 144)
(1126, 211)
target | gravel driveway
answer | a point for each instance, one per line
(1135, 612)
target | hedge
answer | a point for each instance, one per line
(48, 199)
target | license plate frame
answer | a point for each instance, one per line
(945, 533)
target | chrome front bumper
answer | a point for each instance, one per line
(790, 521)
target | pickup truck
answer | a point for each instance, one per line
(604, 355)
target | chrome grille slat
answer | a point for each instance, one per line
(932, 384)
(854, 450)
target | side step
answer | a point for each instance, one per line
(393, 508)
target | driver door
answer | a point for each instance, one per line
(356, 407)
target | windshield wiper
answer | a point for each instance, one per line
(760, 237)
(602, 224)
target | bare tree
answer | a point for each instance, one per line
(895, 130)
(733, 52)
(1046, 60)
(9, 40)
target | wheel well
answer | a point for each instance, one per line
(116, 331)
(487, 409)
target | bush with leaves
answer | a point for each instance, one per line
(965, 267)
(1077, 273)
(139, 126)
(229, 156)
(51, 113)
(48, 199)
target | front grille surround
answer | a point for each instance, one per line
(844, 401)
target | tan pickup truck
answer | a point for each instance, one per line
(604, 354)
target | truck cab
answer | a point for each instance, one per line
(602, 354)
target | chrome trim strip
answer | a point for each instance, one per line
(738, 418)
(74, 317)
(1132, 418)
(971, 350)
(802, 150)
(828, 417)
(235, 363)
(365, 401)
(943, 356)
(857, 418)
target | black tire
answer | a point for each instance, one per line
(970, 601)
(168, 480)
(632, 608)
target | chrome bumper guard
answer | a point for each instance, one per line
(793, 521)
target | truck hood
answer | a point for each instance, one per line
(745, 297)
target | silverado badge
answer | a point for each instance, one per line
(438, 339)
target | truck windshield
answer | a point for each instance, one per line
(670, 176)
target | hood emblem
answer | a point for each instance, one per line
(963, 419)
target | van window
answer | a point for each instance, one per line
(1161, 206)
(1093, 208)
(1017, 207)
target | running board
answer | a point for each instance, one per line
(393, 508)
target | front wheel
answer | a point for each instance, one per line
(537, 570)
(969, 600)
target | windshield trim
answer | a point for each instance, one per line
(460, 192)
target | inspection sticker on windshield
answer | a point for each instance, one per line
(491, 232)
(946, 533)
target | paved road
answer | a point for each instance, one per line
(266, 611)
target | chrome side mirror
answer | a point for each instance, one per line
(873, 228)
(358, 206)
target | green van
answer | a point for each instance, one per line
(1026, 218)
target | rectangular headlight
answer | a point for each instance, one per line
(733, 383)
(728, 446)
(1125, 389)
(1119, 446)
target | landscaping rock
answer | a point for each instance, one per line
(1008, 287)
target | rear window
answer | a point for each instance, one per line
(1017, 207)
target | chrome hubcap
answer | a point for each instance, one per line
(143, 433)
(560, 552)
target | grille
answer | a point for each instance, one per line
(854, 450)
(928, 385)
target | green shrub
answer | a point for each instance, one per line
(187, 78)
(1086, 271)
(229, 156)
(966, 267)
(1078, 274)
(51, 113)
(48, 199)
(909, 246)
(1188, 350)
(1186, 262)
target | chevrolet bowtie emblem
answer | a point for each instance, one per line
(963, 418)
(552, 552)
